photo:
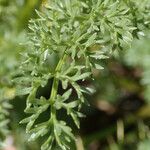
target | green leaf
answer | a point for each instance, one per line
(65, 84)
(97, 66)
(73, 104)
(48, 143)
(82, 76)
(24, 91)
(91, 40)
(66, 94)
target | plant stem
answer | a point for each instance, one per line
(55, 86)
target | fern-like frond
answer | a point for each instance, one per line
(67, 40)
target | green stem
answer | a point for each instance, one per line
(55, 86)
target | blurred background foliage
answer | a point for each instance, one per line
(119, 115)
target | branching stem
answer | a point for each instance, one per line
(55, 86)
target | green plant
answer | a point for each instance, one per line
(10, 48)
(77, 34)
(67, 40)
(9, 62)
